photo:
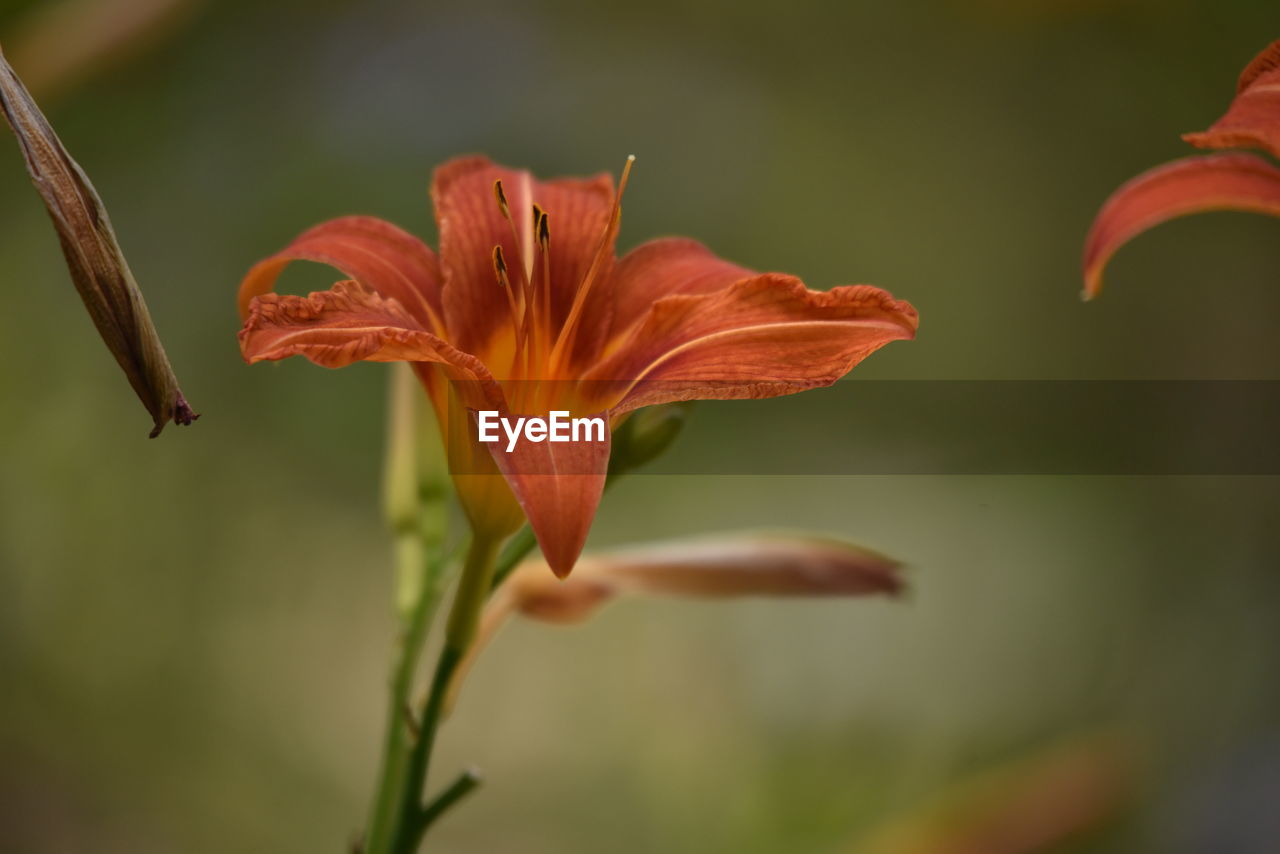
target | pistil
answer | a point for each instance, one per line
(543, 232)
(564, 341)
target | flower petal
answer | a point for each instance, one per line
(1240, 182)
(761, 337)
(349, 323)
(1253, 119)
(664, 267)
(379, 255)
(559, 486)
(471, 224)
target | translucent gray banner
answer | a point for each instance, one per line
(972, 427)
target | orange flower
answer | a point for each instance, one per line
(526, 310)
(1235, 181)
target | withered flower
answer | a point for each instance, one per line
(98, 267)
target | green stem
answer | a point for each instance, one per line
(473, 589)
(516, 550)
(460, 788)
(395, 748)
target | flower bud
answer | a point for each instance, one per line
(646, 435)
(725, 566)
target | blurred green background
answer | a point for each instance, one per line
(194, 631)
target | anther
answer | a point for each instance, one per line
(502, 199)
(500, 267)
(544, 232)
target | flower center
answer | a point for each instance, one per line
(540, 350)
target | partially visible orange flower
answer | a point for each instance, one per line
(526, 310)
(1234, 181)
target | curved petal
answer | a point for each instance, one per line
(559, 486)
(1253, 119)
(1239, 182)
(665, 267)
(1266, 61)
(471, 224)
(555, 470)
(761, 337)
(349, 323)
(381, 256)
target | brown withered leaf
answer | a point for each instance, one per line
(98, 267)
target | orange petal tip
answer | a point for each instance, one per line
(1232, 181)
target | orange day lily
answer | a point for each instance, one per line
(525, 309)
(1231, 181)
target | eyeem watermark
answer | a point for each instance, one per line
(559, 427)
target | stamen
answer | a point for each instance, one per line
(564, 342)
(500, 271)
(500, 268)
(522, 308)
(502, 199)
(500, 194)
(544, 233)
